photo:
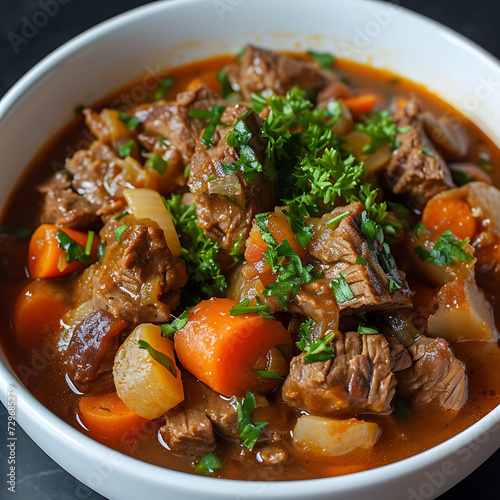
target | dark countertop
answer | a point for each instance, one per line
(38, 477)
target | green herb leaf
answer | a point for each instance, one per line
(248, 431)
(125, 150)
(419, 227)
(445, 250)
(101, 249)
(90, 239)
(319, 350)
(119, 232)
(225, 84)
(360, 261)
(244, 308)
(121, 216)
(130, 121)
(460, 177)
(366, 330)
(207, 136)
(158, 356)
(381, 130)
(208, 463)
(74, 251)
(342, 290)
(324, 61)
(259, 102)
(337, 219)
(235, 251)
(199, 253)
(266, 374)
(427, 152)
(394, 285)
(157, 163)
(168, 329)
(302, 231)
(163, 88)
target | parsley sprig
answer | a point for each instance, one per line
(320, 349)
(158, 356)
(168, 329)
(199, 253)
(248, 430)
(74, 251)
(445, 250)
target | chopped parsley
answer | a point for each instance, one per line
(119, 232)
(460, 177)
(319, 350)
(445, 250)
(366, 330)
(394, 285)
(427, 152)
(158, 356)
(125, 150)
(266, 374)
(380, 128)
(213, 116)
(225, 84)
(121, 216)
(337, 219)
(302, 231)
(208, 463)
(342, 290)
(101, 249)
(157, 163)
(163, 88)
(131, 121)
(243, 307)
(168, 329)
(74, 251)
(199, 253)
(360, 261)
(248, 431)
(324, 61)
(235, 252)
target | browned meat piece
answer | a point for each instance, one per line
(64, 207)
(227, 204)
(222, 411)
(435, 376)
(261, 69)
(416, 168)
(272, 454)
(400, 357)
(338, 249)
(172, 121)
(91, 350)
(100, 176)
(188, 432)
(137, 279)
(358, 379)
(335, 90)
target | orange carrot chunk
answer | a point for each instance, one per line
(223, 350)
(107, 416)
(361, 104)
(46, 259)
(453, 214)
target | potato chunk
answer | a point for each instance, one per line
(462, 314)
(146, 386)
(331, 437)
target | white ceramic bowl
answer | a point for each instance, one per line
(163, 34)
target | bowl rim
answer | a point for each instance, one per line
(61, 430)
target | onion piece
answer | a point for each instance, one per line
(331, 438)
(146, 386)
(148, 204)
(228, 185)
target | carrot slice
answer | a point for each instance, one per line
(447, 213)
(361, 104)
(38, 308)
(107, 416)
(47, 260)
(222, 350)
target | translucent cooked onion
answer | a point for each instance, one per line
(331, 437)
(374, 161)
(148, 204)
(229, 185)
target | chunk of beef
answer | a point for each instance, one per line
(91, 351)
(358, 379)
(222, 411)
(172, 122)
(436, 375)
(416, 168)
(345, 250)
(227, 204)
(64, 207)
(137, 279)
(100, 176)
(187, 431)
(261, 69)
(400, 357)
